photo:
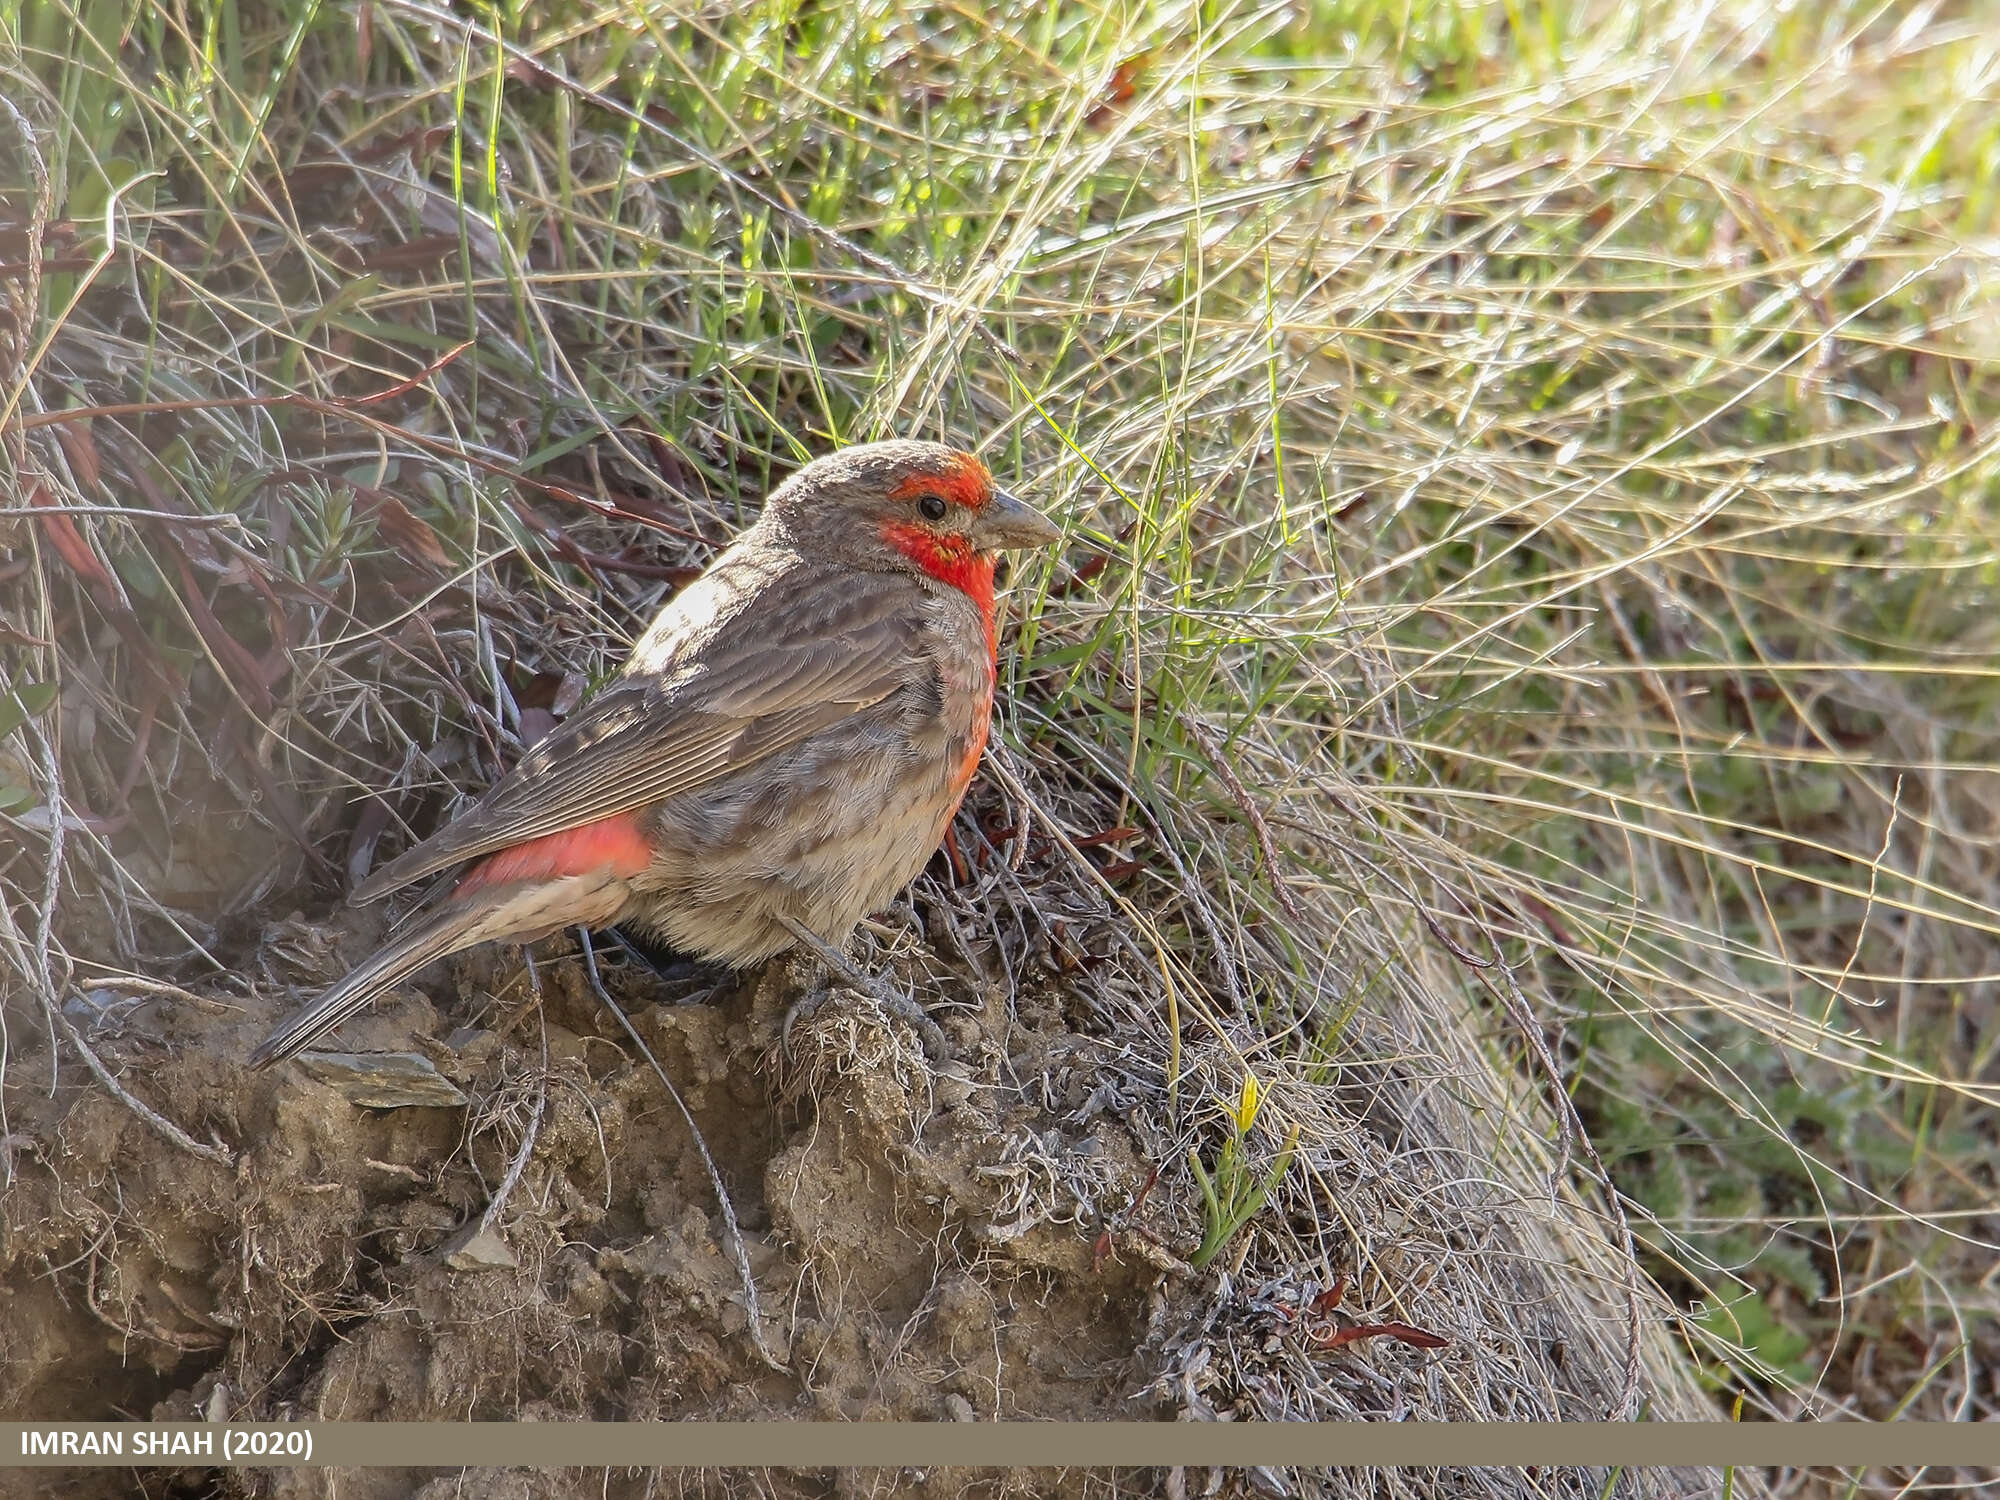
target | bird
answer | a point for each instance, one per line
(780, 754)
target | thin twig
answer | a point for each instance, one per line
(44, 965)
(737, 1251)
(159, 1122)
(1266, 845)
(350, 408)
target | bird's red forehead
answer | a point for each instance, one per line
(961, 479)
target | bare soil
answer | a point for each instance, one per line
(924, 1237)
(947, 1219)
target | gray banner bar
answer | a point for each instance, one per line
(1006, 1444)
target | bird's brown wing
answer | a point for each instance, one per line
(733, 694)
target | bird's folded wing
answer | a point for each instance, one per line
(748, 690)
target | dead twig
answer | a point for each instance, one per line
(751, 1306)
(215, 1152)
(1254, 815)
(43, 969)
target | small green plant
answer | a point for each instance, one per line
(29, 701)
(1230, 1194)
(1746, 1321)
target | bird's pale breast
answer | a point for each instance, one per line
(832, 828)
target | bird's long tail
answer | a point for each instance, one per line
(521, 912)
(453, 927)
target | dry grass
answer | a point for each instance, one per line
(1529, 474)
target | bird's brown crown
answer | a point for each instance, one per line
(882, 480)
(905, 504)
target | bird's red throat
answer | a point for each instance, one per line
(950, 560)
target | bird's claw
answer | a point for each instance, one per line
(891, 1001)
(802, 1009)
(928, 1030)
(886, 1000)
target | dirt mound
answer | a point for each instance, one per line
(922, 1237)
(948, 1235)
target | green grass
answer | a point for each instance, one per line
(1546, 449)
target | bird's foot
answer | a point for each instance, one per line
(898, 914)
(674, 969)
(887, 1000)
(892, 1001)
(802, 1009)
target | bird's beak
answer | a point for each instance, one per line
(1005, 522)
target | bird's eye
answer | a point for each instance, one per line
(931, 508)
